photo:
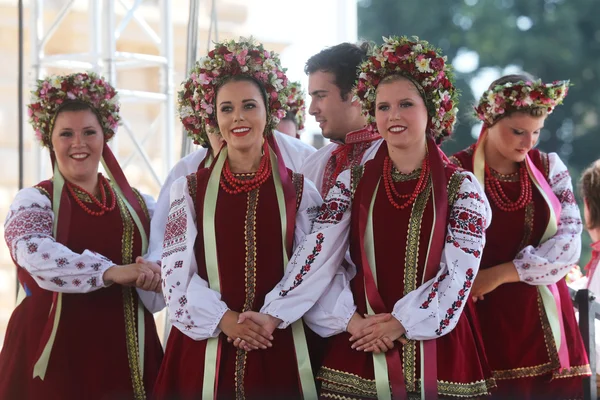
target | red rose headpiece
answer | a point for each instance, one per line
(424, 65)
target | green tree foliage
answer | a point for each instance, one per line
(551, 39)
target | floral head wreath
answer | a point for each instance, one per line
(53, 92)
(422, 64)
(522, 95)
(296, 103)
(230, 58)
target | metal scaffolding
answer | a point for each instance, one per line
(104, 58)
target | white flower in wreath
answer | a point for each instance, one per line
(56, 82)
(422, 64)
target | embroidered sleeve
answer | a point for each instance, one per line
(433, 309)
(552, 260)
(28, 234)
(318, 252)
(193, 307)
(184, 167)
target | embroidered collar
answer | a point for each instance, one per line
(365, 134)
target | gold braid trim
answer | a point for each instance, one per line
(344, 385)
(581, 370)
(356, 173)
(129, 307)
(250, 239)
(142, 202)
(347, 383)
(453, 187)
(455, 161)
(411, 265)
(527, 225)
(298, 180)
(192, 181)
(43, 191)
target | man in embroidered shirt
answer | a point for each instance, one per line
(331, 76)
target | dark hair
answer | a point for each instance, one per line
(245, 78)
(589, 187)
(342, 61)
(514, 78)
(291, 116)
(71, 106)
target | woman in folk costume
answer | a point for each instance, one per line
(417, 229)
(230, 231)
(527, 321)
(293, 152)
(80, 330)
(293, 122)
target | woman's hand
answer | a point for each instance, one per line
(268, 322)
(380, 336)
(489, 279)
(149, 284)
(129, 274)
(252, 334)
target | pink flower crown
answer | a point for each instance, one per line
(53, 92)
(522, 95)
(230, 58)
(296, 103)
(423, 64)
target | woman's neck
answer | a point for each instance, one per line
(407, 160)
(244, 161)
(90, 184)
(496, 161)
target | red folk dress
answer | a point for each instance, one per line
(513, 323)
(437, 309)
(96, 341)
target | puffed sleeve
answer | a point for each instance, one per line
(318, 253)
(433, 309)
(28, 235)
(552, 260)
(193, 307)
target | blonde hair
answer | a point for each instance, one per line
(589, 186)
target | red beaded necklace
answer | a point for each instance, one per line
(102, 182)
(391, 191)
(500, 198)
(234, 185)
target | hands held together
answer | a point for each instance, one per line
(143, 274)
(375, 333)
(249, 330)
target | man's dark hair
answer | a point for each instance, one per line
(342, 61)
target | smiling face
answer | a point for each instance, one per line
(77, 142)
(401, 114)
(241, 115)
(336, 116)
(514, 135)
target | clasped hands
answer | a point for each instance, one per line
(142, 274)
(249, 330)
(375, 333)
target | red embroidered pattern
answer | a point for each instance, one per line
(567, 197)
(462, 293)
(344, 157)
(466, 222)
(32, 221)
(58, 282)
(433, 291)
(306, 267)
(175, 231)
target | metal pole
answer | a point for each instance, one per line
(169, 87)
(587, 327)
(109, 49)
(37, 53)
(20, 95)
(192, 54)
(96, 35)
